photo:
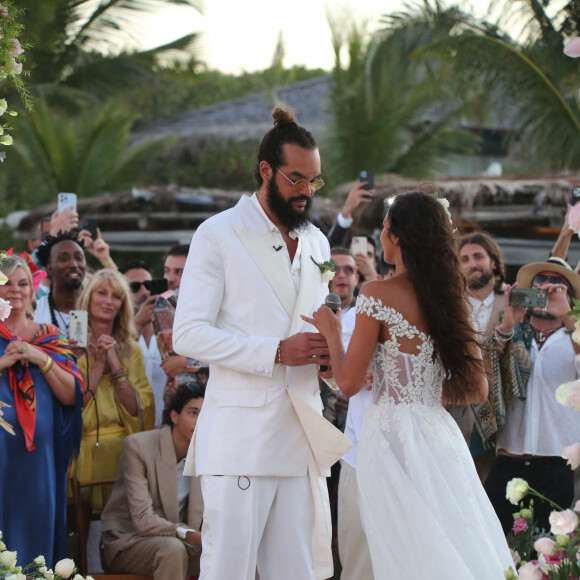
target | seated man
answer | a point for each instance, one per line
(142, 533)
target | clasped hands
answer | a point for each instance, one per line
(18, 350)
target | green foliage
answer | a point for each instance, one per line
(392, 112)
(86, 154)
(212, 163)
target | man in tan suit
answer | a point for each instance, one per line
(151, 522)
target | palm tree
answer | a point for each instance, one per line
(87, 154)
(528, 80)
(83, 49)
(390, 112)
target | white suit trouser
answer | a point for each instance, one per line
(353, 548)
(257, 522)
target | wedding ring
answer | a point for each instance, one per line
(558, 289)
(22, 350)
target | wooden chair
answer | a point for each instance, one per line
(85, 513)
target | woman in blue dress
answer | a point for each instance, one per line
(42, 385)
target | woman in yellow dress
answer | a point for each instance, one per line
(118, 399)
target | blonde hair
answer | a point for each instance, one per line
(124, 331)
(8, 266)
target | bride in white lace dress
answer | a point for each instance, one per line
(424, 511)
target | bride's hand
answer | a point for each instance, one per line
(326, 321)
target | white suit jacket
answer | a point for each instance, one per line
(237, 300)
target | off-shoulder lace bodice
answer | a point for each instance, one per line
(400, 378)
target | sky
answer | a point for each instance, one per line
(241, 35)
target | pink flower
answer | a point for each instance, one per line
(572, 47)
(574, 218)
(564, 522)
(575, 395)
(544, 546)
(16, 47)
(5, 309)
(572, 454)
(3, 11)
(577, 506)
(530, 571)
(520, 525)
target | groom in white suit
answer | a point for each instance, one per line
(261, 446)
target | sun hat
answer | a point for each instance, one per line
(557, 265)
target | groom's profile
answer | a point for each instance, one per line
(261, 447)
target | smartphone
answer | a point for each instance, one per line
(575, 195)
(67, 200)
(368, 178)
(158, 286)
(90, 224)
(78, 327)
(358, 245)
(528, 298)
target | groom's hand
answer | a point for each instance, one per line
(304, 348)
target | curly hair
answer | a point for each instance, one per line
(7, 267)
(124, 331)
(429, 252)
(285, 131)
(490, 246)
(45, 247)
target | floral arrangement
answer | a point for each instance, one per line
(36, 570)
(557, 552)
(10, 62)
(4, 313)
(326, 269)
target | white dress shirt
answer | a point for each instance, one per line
(539, 425)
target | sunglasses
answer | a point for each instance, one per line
(541, 279)
(136, 286)
(313, 185)
(348, 270)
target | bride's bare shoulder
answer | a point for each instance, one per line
(389, 291)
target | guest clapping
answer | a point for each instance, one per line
(42, 385)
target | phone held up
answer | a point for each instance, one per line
(90, 224)
(66, 200)
(158, 286)
(368, 178)
(78, 327)
(575, 195)
(358, 245)
(528, 298)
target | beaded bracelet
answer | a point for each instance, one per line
(503, 336)
(279, 353)
(119, 376)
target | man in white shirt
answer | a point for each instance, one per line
(352, 543)
(483, 266)
(139, 276)
(537, 428)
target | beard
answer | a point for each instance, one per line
(283, 210)
(541, 315)
(481, 282)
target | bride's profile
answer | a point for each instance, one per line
(423, 508)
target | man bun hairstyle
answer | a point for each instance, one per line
(285, 131)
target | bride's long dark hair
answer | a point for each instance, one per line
(429, 252)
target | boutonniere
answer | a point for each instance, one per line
(326, 269)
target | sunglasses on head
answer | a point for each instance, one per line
(348, 270)
(136, 286)
(541, 279)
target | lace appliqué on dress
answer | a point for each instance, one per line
(401, 378)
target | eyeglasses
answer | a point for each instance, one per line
(348, 270)
(136, 286)
(313, 185)
(541, 279)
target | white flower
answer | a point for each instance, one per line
(516, 489)
(8, 558)
(49, 574)
(564, 522)
(40, 560)
(576, 333)
(327, 276)
(78, 577)
(3, 106)
(65, 567)
(572, 454)
(445, 204)
(5, 309)
(563, 393)
(42, 569)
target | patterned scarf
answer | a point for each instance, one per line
(20, 380)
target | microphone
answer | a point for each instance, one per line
(277, 248)
(333, 302)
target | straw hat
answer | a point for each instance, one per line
(557, 265)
